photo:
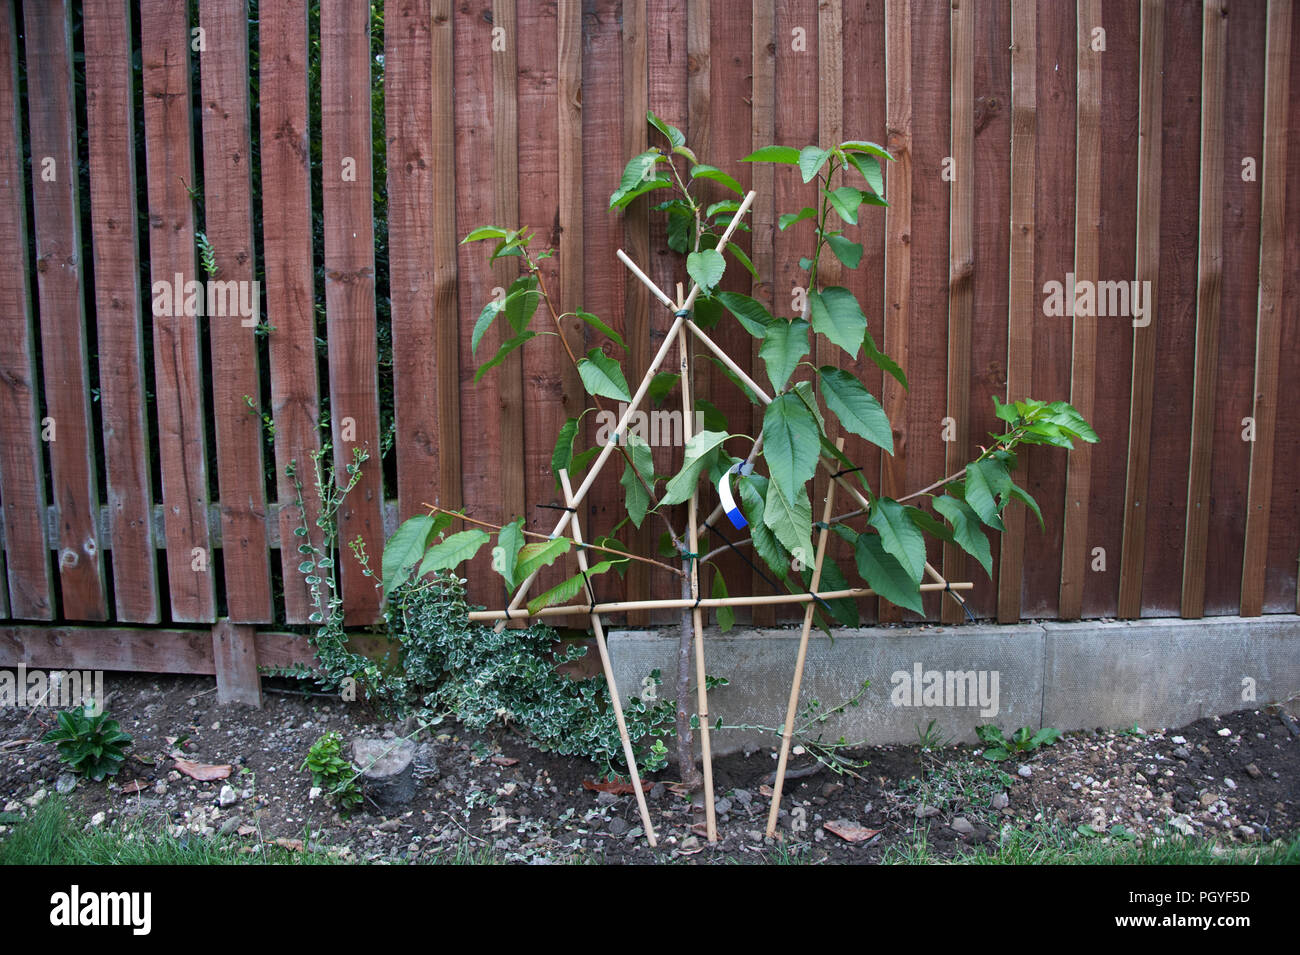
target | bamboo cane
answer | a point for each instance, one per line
(605, 664)
(792, 707)
(697, 617)
(707, 603)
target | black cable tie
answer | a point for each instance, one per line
(745, 557)
(507, 592)
(845, 471)
(590, 593)
(697, 600)
(559, 507)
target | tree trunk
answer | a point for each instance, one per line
(691, 776)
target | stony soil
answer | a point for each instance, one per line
(1234, 779)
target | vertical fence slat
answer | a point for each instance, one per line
(290, 296)
(1021, 287)
(961, 265)
(1087, 247)
(178, 378)
(992, 172)
(636, 242)
(898, 244)
(1268, 337)
(505, 187)
(1232, 434)
(668, 62)
(1175, 323)
(60, 271)
(22, 466)
(110, 113)
(763, 213)
(350, 289)
(445, 268)
(1120, 77)
(228, 207)
(1146, 270)
(1209, 290)
(408, 125)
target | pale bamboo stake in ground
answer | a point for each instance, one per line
(792, 708)
(708, 603)
(608, 667)
(697, 617)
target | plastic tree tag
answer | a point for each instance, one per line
(724, 491)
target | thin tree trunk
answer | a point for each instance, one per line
(690, 774)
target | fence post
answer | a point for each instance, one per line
(234, 657)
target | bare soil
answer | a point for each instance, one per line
(1233, 780)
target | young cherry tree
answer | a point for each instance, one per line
(772, 470)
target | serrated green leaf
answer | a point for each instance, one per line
(403, 551)
(782, 154)
(698, 452)
(790, 520)
(790, 218)
(869, 167)
(485, 319)
(713, 418)
(717, 175)
(845, 201)
(885, 575)
(635, 173)
(753, 491)
(453, 550)
(966, 529)
(858, 409)
(601, 327)
(637, 499)
(791, 444)
(502, 353)
(844, 609)
(726, 615)
(511, 540)
(662, 385)
(567, 590)
(835, 313)
(881, 360)
(866, 146)
(485, 232)
(981, 495)
(750, 312)
(602, 376)
(535, 556)
(671, 133)
(850, 253)
(899, 536)
(1020, 494)
(706, 268)
(739, 255)
(811, 160)
(784, 344)
(562, 456)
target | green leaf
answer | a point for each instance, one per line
(510, 539)
(406, 547)
(726, 615)
(739, 254)
(485, 319)
(625, 198)
(750, 312)
(636, 172)
(791, 444)
(836, 314)
(929, 524)
(671, 133)
(566, 591)
(717, 175)
(845, 201)
(980, 493)
(811, 160)
(858, 409)
(1020, 494)
(706, 268)
(452, 551)
(790, 218)
(783, 154)
(869, 166)
(502, 353)
(601, 375)
(753, 490)
(844, 609)
(533, 557)
(661, 386)
(713, 418)
(708, 311)
(850, 253)
(784, 344)
(865, 146)
(698, 452)
(966, 529)
(485, 232)
(521, 302)
(899, 536)
(885, 575)
(637, 498)
(601, 327)
(562, 456)
(881, 360)
(790, 520)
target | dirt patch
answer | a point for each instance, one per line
(1234, 779)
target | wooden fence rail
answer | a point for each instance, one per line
(325, 173)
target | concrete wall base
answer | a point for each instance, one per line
(1156, 673)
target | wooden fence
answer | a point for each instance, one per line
(1102, 140)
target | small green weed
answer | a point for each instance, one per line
(331, 772)
(94, 746)
(1023, 740)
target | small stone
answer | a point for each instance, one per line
(617, 826)
(65, 783)
(743, 796)
(1225, 732)
(36, 798)
(97, 819)
(1025, 771)
(961, 825)
(1246, 831)
(1178, 740)
(1182, 752)
(1227, 781)
(606, 799)
(160, 787)
(13, 805)
(1182, 824)
(313, 794)
(228, 797)
(924, 812)
(230, 825)
(1253, 771)
(690, 842)
(389, 825)
(755, 835)
(1000, 801)
(657, 792)
(1208, 799)
(722, 806)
